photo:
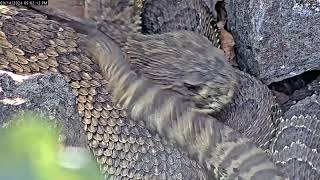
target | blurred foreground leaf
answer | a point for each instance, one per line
(30, 151)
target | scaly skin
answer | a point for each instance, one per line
(212, 55)
(187, 62)
(213, 120)
(123, 148)
(160, 16)
(259, 116)
(93, 139)
(296, 147)
(226, 153)
(253, 110)
(224, 92)
(210, 87)
(100, 10)
(190, 73)
(194, 15)
(255, 119)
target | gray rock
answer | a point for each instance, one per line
(306, 91)
(49, 95)
(276, 40)
(315, 86)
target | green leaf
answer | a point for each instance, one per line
(30, 151)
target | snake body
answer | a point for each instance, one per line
(123, 148)
(30, 43)
(295, 149)
(169, 59)
(253, 110)
(222, 150)
(261, 117)
(188, 63)
(166, 16)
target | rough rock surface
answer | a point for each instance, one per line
(296, 96)
(276, 39)
(48, 95)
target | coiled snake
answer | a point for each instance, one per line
(30, 43)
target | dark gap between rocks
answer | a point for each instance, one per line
(221, 12)
(291, 90)
(288, 86)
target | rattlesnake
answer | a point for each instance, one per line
(225, 152)
(122, 147)
(247, 121)
(93, 125)
(180, 54)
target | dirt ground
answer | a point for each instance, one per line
(72, 7)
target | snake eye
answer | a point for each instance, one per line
(192, 88)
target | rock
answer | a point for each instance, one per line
(314, 86)
(212, 6)
(300, 94)
(281, 98)
(49, 95)
(275, 40)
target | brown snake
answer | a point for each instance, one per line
(66, 55)
(31, 43)
(225, 152)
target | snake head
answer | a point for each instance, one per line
(209, 94)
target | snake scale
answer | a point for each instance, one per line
(269, 167)
(194, 13)
(171, 44)
(30, 43)
(224, 151)
(123, 148)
